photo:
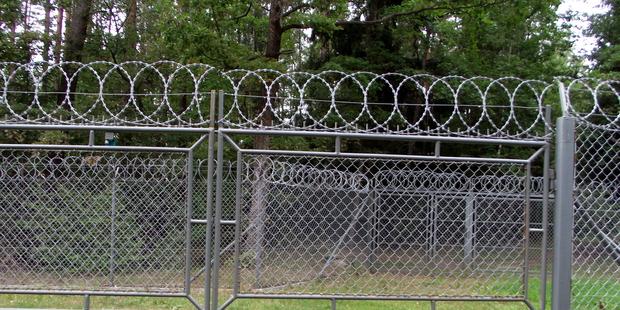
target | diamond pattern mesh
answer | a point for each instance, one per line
(315, 225)
(596, 238)
(92, 221)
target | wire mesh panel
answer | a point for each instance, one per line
(596, 239)
(95, 221)
(227, 237)
(318, 225)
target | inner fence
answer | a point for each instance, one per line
(92, 221)
(340, 226)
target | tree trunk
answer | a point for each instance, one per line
(272, 51)
(131, 29)
(74, 46)
(26, 15)
(77, 32)
(58, 43)
(260, 188)
(274, 35)
(26, 25)
(46, 31)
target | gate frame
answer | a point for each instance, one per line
(205, 134)
(224, 137)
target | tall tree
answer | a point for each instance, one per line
(74, 45)
(78, 30)
(285, 16)
(131, 27)
(60, 19)
(47, 25)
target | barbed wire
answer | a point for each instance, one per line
(167, 93)
(280, 172)
(276, 172)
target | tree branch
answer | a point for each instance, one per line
(414, 12)
(295, 9)
(295, 26)
(390, 16)
(247, 11)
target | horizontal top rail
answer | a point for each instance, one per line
(171, 94)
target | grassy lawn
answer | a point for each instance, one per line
(100, 302)
(70, 302)
(105, 302)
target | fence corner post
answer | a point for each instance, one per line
(564, 213)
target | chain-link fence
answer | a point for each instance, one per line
(381, 227)
(596, 239)
(92, 221)
(138, 220)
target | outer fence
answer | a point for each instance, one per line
(140, 220)
(364, 238)
(596, 239)
(587, 241)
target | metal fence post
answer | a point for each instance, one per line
(209, 215)
(371, 221)
(526, 230)
(113, 209)
(188, 221)
(469, 229)
(218, 208)
(433, 215)
(237, 240)
(545, 214)
(564, 213)
(86, 304)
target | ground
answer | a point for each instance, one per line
(76, 302)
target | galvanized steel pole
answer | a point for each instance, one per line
(209, 215)
(218, 208)
(564, 213)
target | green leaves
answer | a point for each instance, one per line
(605, 28)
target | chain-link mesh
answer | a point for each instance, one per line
(314, 225)
(99, 221)
(596, 239)
(199, 212)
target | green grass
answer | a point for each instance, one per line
(156, 303)
(71, 302)
(108, 302)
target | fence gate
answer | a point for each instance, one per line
(83, 217)
(357, 225)
(332, 227)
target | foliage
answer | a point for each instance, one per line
(605, 28)
(448, 37)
